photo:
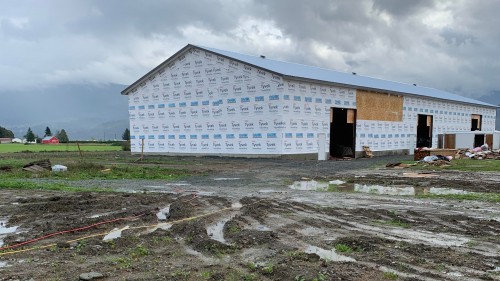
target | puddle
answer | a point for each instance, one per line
(100, 215)
(5, 230)
(216, 231)
(328, 255)
(435, 190)
(268, 191)
(226, 179)
(309, 185)
(342, 186)
(3, 264)
(163, 213)
(336, 182)
(115, 233)
(386, 190)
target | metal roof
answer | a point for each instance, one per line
(294, 70)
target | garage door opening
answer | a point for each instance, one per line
(424, 131)
(342, 132)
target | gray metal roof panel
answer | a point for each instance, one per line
(332, 76)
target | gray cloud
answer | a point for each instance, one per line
(444, 44)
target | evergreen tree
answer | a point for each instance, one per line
(126, 134)
(62, 136)
(4, 133)
(30, 136)
(48, 133)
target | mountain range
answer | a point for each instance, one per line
(85, 112)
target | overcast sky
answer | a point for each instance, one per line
(450, 45)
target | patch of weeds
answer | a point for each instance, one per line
(180, 273)
(189, 239)
(320, 277)
(488, 197)
(300, 278)
(139, 251)
(164, 239)
(390, 276)
(249, 277)
(332, 188)
(252, 266)
(471, 243)
(234, 229)
(440, 267)
(122, 262)
(395, 223)
(343, 248)
(206, 275)
(79, 246)
(14, 184)
(268, 268)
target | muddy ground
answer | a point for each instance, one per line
(238, 219)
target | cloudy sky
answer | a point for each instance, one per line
(450, 45)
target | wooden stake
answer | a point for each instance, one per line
(79, 150)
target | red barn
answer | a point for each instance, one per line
(50, 140)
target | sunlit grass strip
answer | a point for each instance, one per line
(489, 197)
(13, 184)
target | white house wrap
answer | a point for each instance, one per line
(205, 101)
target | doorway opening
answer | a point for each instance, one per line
(476, 126)
(342, 132)
(424, 130)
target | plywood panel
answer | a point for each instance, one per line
(449, 141)
(489, 140)
(350, 116)
(379, 106)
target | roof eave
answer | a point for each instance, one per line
(127, 90)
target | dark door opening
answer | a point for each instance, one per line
(342, 132)
(424, 131)
(476, 122)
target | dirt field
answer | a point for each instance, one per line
(239, 219)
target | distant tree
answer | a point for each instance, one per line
(30, 136)
(38, 139)
(4, 133)
(62, 136)
(126, 134)
(48, 133)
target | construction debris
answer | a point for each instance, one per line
(480, 153)
(38, 166)
(368, 151)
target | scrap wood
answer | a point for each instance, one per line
(419, 175)
(368, 151)
(6, 168)
(38, 166)
(398, 165)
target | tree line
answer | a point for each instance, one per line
(61, 135)
(5, 133)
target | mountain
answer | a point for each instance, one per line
(84, 111)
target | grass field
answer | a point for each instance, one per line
(16, 147)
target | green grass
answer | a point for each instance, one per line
(390, 276)
(343, 248)
(467, 165)
(489, 197)
(395, 223)
(81, 170)
(17, 147)
(16, 184)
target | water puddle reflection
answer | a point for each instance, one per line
(164, 213)
(115, 233)
(216, 230)
(341, 186)
(328, 255)
(4, 230)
